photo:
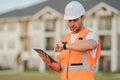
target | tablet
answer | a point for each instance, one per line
(40, 51)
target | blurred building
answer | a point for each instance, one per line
(42, 24)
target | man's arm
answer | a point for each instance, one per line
(81, 45)
(54, 65)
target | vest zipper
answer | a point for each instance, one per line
(68, 63)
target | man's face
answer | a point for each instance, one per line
(76, 24)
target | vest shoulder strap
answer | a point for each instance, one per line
(83, 33)
(67, 37)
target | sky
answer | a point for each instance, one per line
(7, 5)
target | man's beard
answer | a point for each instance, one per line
(75, 29)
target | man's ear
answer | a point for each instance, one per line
(82, 17)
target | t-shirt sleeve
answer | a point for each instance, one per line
(93, 36)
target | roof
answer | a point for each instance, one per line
(58, 5)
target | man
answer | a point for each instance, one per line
(80, 49)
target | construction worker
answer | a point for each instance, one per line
(80, 49)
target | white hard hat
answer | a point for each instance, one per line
(74, 10)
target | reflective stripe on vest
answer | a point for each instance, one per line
(84, 65)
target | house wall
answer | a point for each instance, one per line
(11, 44)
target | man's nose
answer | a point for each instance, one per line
(72, 23)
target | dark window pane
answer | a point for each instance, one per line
(50, 25)
(105, 42)
(104, 63)
(104, 23)
(50, 43)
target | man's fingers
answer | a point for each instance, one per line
(56, 47)
(43, 56)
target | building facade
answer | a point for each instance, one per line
(41, 25)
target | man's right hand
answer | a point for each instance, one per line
(58, 47)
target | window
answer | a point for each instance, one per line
(50, 43)
(11, 27)
(104, 23)
(50, 25)
(11, 44)
(104, 63)
(105, 42)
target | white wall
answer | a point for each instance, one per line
(8, 56)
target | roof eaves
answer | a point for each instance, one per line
(95, 8)
(47, 9)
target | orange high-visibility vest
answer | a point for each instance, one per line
(78, 65)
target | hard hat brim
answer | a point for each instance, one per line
(71, 17)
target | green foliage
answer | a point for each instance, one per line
(4, 68)
(19, 59)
